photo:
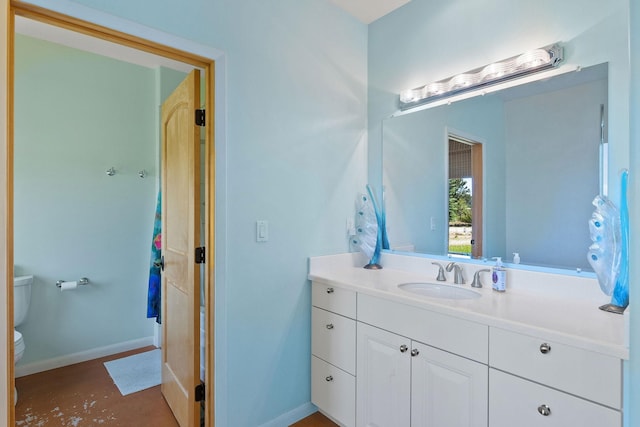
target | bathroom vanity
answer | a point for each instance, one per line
(541, 354)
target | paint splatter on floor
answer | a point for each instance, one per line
(56, 417)
(84, 395)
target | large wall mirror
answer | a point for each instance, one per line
(529, 161)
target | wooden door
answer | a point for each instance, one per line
(476, 207)
(180, 236)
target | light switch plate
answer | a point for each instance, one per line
(262, 231)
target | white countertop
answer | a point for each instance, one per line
(560, 308)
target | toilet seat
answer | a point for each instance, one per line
(18, 344)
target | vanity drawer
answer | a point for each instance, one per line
(515, 401)
(458, 336)
(591, 375)
(333, 339)
(333, 391)
(338, 300)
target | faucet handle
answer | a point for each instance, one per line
(441, 276)
(477, 283)
(458, 277)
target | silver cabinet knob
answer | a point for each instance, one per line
(415, 352)
(544, 410)
(545, 348)
(329, 290)
(403, 348)
(329, 378)
(330, 326)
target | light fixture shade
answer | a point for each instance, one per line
(516, 66)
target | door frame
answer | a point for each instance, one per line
(141, 38)
(477, 160)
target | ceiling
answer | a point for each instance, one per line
(365, 11)
(368, 11)
(76, 40)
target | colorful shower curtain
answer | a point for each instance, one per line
(153, 296)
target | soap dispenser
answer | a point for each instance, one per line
(499, 276)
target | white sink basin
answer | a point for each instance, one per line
(436, 290)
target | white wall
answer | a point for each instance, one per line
(76, 115)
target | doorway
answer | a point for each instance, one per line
(135, 43)
(464, 237)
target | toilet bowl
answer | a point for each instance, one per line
(21, 301)
(18, 345)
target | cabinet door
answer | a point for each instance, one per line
(447, 390)
(383, 378)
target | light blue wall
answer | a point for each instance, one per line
(296, 156)
(552, 174)
(633, 367)
(76, 115)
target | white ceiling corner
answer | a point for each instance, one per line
(368, 11)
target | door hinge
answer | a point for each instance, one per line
(200, 255)
(200, 120)
(200, 392)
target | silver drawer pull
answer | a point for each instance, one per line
(329, 378)
(329, 290)
(544, 410)
(403, 348)
(545, 348)
(330, 326)
(415, 352)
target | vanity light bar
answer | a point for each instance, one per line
(516, 66)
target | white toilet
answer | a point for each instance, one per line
(21, 301)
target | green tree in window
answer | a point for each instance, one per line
(459, 202)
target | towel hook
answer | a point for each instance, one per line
(142, 173)
(111, 171)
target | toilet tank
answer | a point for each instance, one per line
(21, 298)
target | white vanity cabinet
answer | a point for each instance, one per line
(536, 382)
(333, 349)
(381, 360)
(403, 383)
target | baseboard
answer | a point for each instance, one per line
(83, 356)
(292, 416)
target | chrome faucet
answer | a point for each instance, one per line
(441, 276)
(477, 283)
(458, 278)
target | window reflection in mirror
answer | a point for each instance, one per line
(465, 197)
